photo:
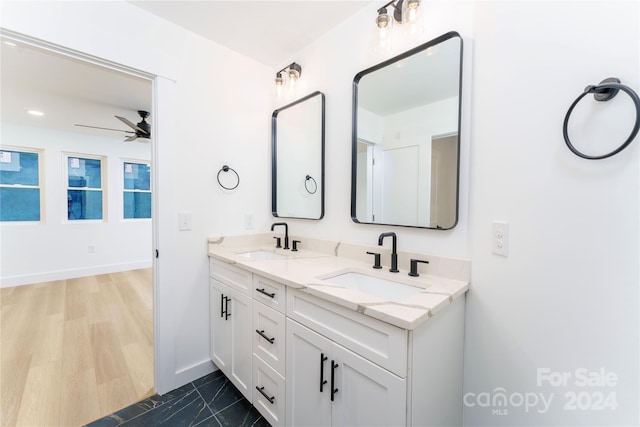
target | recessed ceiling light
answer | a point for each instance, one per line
(35, 113)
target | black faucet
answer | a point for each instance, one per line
(286, 233)
(394, 250)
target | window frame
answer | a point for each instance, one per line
(40, 186)
(103, 187)
(124, 160)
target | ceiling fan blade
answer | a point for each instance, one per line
(131, 125)
(97, 127)
(130, 138)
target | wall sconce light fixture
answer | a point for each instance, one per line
(292, 72)
(404, 11)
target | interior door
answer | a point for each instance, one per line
(400, 191)
(444, 166)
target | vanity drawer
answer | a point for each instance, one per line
(269, 392)
(231, 276)
(270, 293)
(269, 336)
(377, 341)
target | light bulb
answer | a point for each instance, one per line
(383, 21)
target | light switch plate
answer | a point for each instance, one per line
(185, 220)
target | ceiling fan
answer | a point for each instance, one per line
(141, 130)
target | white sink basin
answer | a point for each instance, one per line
(260, 255)
(386, 289)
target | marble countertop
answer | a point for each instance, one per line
(312, 271)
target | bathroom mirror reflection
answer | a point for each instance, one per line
(297, 132)
(406, 127)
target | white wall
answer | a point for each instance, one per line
(212, 106)
(55, 248)
(567, 296)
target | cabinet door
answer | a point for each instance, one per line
(367, 395)
(240, 318)
(220, 347)
(308, 368)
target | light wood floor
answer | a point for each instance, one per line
(73, 351)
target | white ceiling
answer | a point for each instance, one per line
(268, 31)
(68, 92)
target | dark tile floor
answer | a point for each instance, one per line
(208, 401)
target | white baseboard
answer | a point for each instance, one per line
(50, 276)
(194, 372)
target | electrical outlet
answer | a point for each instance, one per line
(185, 221)
(500, 238)
(248, 221)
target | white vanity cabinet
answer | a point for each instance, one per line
(304, 361)
(231, 319)
(348, 369)
(330, 385)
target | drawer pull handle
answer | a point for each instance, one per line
(221, 305)
(262, 291)
(334, 390)
(323, 359)
(262, 334)
(266, 396)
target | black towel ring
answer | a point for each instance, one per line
(226, 168)
(307, 179)
(605, 91)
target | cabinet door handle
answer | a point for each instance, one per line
(266, 396)
(334, 390)
(221, 305)
(323, 359)
(226, 308)
(262, 291)
(262, 334)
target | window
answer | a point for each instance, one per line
(84, 188)
(20, 196)
(137, 190)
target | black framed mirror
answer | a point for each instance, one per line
(297, 135)
(406, 138)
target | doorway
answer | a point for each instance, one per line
(70, 259)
